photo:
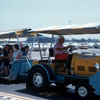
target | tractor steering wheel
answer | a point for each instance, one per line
(70, 50)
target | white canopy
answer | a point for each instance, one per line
(14, 33)
(71, 31)
(58, 31)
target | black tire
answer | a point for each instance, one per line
(37, 79)
(84, 91)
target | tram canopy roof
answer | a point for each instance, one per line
(71, 31)
(60, 31)
(13, 33)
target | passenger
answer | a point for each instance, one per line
(16, 54)
(2, 67)
(26, 52)
(59, 49)
(6, 59)
(11, 51)
(1, 52)
(1, 62)
(6, 51)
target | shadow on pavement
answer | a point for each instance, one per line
(52, 94)
(55, 93)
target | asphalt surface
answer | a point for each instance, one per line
(11, 91)
(18, 91)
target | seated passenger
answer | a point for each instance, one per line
(59, 49)
(1, 62)
(16, 54)
(26, 52)
(1, 52)
(11, 51)
(6, 59)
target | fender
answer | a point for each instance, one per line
(94, 81)
(50, 73)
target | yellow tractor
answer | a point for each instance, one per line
(82, 70)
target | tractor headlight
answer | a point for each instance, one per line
(97, 66)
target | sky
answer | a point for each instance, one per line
(37, 14)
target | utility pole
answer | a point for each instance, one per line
(70, 22)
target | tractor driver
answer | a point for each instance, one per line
(59, 49)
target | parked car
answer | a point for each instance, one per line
(83, 46)
(96, 45)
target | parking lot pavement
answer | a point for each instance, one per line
(8, 96)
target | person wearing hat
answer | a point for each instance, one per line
(59, 49)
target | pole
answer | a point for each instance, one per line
(19, 44)
(39, 46)
(52, 40)
(32, 46)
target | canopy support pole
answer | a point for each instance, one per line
(49, 60)
(32, 45)
(52, 40)
(39, 46)
(19, 44)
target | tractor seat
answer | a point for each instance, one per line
(51, 54)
